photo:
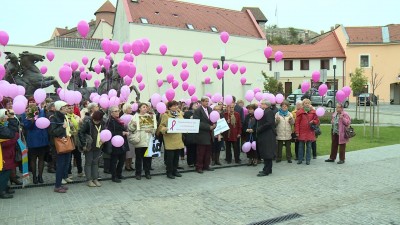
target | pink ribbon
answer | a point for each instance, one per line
(173, 125)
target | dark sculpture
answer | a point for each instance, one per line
(24, 72)
(77, 84)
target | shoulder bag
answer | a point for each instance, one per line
(64, 145)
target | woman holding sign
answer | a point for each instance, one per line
(173, 143)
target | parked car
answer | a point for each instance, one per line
(295, 96)
(367, 98)
(327, 99)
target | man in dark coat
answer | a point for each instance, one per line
(204, 138)
(239, 110)
(266, 138)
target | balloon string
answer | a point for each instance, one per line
(147, 73)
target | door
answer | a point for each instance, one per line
(288, 89)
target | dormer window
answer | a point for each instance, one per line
(190, 26)
(214, 29)
(143, 20)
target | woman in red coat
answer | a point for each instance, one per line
(305, 134)
(232, 135)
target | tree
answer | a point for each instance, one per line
(294, 35)
(375, 82)
(358, 83)
(271, 84)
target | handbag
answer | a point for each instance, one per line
(349, 132)
(134, 138)
(64, 145)
(316, 129)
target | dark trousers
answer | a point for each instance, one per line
(191, 154)
(314, 148)
(142, 161)
(78, 159)
(4, 177)
(117, 161)
(53, 154)
(236, 152)
(288, 147)
(62, 167)
(172, 160)
(334, 148)
(203, 157)
(267, 166)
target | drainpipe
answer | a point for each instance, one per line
(343, 71)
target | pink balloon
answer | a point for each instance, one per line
(77, 97)
(191, 90)
(184, 65)
(346, 90)
(160, 82)
(204, 68)
(128, 57)
(185, 86)
(135, 107)
(279, 98)
(141, 86)
(42, 123)
(170, 78)
(340, 95)
(184, 75)
(106, 46)
(278, 56)
(146, 44)
(101, 61)
(228, 99)
(215, 64)
(174, 62)
(114, 47)
(225, 67)
(126, 47)
(132, 70)
(258, 96)
(88, 76)
(123, 68)
(107, 64)
(104, 102)
(97, 68)
(217, 97)
(112, 93)
(126, 118)
(137, 47)
(272, 99)
(214, 116)
(175, 84)
(242, 70)
(4, 38)
(96, 83)
(85, 60)
(322, 89)
(117, 141)
(193, 99)
(159, 69)
(65, 74)
(256, 90)
(114, 101)
(220, 74)
(207, 80)
(50, 55)
(197, 57)
(246, 147)
(83, 28)
(127, 80)
(3, 71)
(161, 107)
(305, 86)
(21, 90)
(243, 80)
(316, 75)
(234, 68)
(254, 145)
(258, 113)
(139, 78)
(245, 111)
(249, 95)
(105, 135)
(163, 49)
(81, 68)
(170, 94)
(43, 70)
(19, 107)
(267, 52)
(224, 37)
(74, 65)
(320, 111)
(39, 95)
(155, 99)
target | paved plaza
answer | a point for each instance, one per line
(364, 190)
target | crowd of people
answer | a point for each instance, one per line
(277, 128)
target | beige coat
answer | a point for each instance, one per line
(284, 126)
(171, 141)
(144, 135)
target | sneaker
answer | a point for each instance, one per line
(63, 181)
(81, 174)
(60, 190)
(69, 180)
(91, 184)
(97, 183)
(70, 175)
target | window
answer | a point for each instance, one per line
(190, 26)
(288, 65)
(364, 61)
(214, 29)
(325, 64)
(143, 20)
(304, 64)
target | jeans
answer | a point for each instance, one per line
(308, 150)
(66, 167)
(92, 164)
(62, 167)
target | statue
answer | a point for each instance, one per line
(77, 84)
(26, 73)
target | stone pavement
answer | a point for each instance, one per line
(364, 190)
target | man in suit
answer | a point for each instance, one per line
(204, 138)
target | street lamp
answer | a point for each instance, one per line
(222, 66)
(334, 84)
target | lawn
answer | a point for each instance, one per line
(388, 136)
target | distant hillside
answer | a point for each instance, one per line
(288, 36)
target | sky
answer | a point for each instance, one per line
(32, 22)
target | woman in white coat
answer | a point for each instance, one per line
(284, 121)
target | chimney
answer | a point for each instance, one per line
(322, 32)
(332, 28)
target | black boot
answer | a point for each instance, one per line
(217, 162)
(9, 190)
(40, 179)
(4, 195)
(35, 180)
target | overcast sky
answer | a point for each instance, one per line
(31, 22)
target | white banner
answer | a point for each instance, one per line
(154, 148)
(183, 125)
(222, 126)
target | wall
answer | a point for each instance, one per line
(104, 30)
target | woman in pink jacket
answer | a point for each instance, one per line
(340, 120)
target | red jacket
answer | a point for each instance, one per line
(234, 131)
(8, 149)
(302, 124)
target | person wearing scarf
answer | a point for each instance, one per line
(249, 127)
(284, 121)
(232, 135)
(218, 143)
(305, 134)
(74, 121)
(89, 136)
